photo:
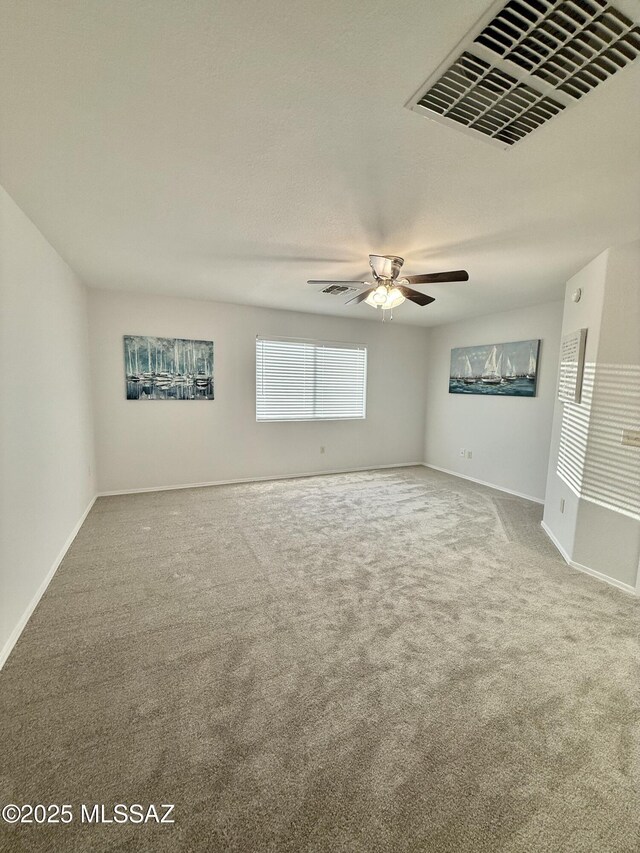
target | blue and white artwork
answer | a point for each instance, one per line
(506, 370)
(168, 368)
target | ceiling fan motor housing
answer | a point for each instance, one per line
(385, 266)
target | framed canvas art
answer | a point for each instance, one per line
(505, 370)
(168, 368)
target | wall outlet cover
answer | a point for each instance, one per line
(631, 437)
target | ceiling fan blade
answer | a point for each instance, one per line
(415, 295)
(360, 297)
(435, 277)
(345, 283)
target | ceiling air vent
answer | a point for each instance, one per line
(339, 289)
(520, 67)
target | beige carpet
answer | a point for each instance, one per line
(384, 661)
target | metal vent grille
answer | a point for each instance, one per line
(488, 100)
(571, 45)
(338, 289)
(527, 63)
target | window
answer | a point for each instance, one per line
(298, 380)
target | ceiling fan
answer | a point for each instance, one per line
(387, 291)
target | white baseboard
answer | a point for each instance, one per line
(258, 479)
(19, 628)
(484, 483)
(625, 587)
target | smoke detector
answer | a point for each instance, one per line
(525, 62)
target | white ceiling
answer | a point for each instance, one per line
(231, 149)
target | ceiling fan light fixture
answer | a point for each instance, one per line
(378, 297)
(385, 297)
(394, 298)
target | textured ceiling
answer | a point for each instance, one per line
(231, 150)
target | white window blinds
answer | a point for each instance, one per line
(299, 380)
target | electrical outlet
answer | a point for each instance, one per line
(561, 504)
(469, 454)
(462, 451)
(322, 449)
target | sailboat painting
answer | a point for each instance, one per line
(168, 368)
(507, 370)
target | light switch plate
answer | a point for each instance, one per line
(631, 437)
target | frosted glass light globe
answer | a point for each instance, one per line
(379, 295)
(385, 297)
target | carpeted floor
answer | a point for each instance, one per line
(384, 661)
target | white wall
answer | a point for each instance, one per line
(607, 538)
(146, 444)
(599, 529)
(46, 445)
(576, 315)
(508, 436)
